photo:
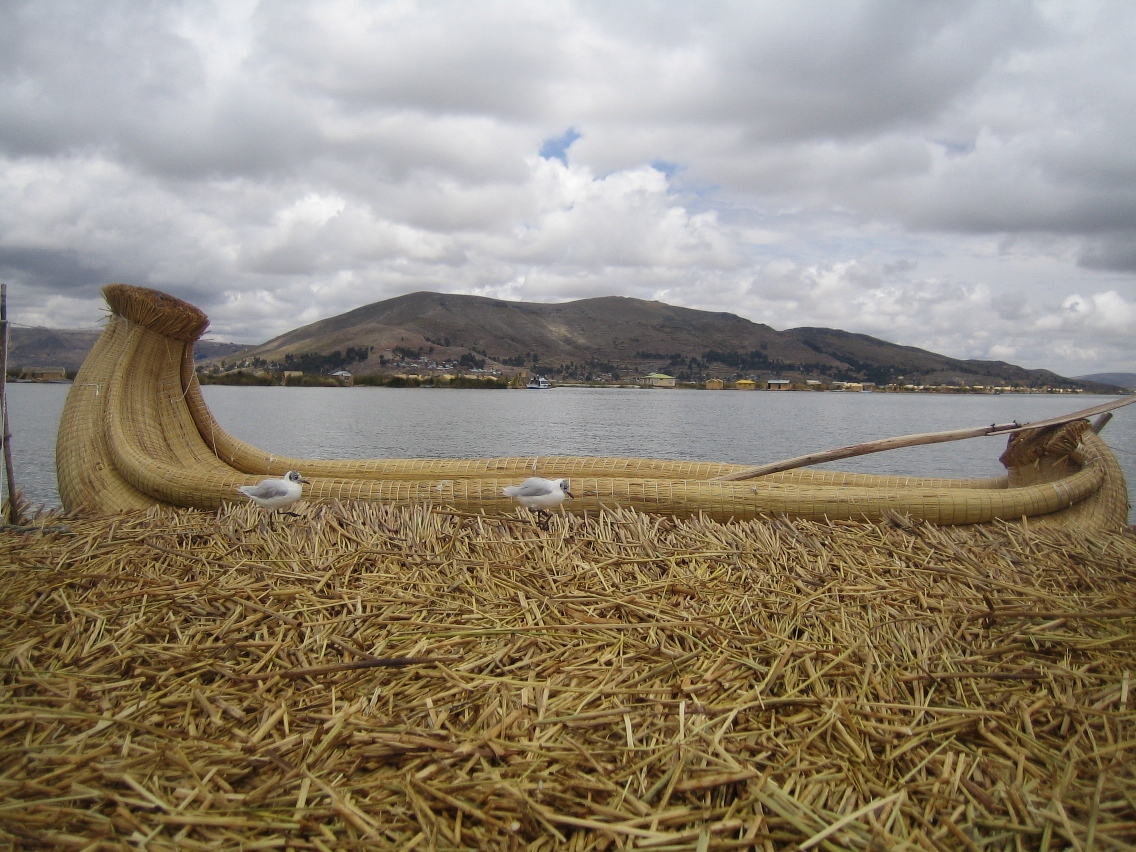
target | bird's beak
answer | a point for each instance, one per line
(570, 494)
(305, 481)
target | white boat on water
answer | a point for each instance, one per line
(538, 383)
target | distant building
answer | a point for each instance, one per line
(44, 374)
(777, 384)
(658, 380)
(343, 376)
(745, 384)
(715, 384)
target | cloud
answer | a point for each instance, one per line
(1115, 253)
(957, 176)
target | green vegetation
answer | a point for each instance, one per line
(487, 383)
(593, 370)
(307, 381)
(313, 362)
(237, 377)
(755, 359)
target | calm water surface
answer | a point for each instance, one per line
(726, 426)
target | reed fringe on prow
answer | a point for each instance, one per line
(376, 677)
(157, 311)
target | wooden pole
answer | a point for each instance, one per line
(6, 439)
(916, 440)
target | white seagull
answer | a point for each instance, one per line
(539, 494)
(274, 494)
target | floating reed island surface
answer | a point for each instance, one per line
(368, 676)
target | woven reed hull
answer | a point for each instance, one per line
(136, 432)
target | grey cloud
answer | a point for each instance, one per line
(899, 268)
(74, 275)
(905, 169)
(73, 73)
(58, 270)
(1010, 306)
(119, 79)
(1114, 253)
(452, 58)
(776, 73)
(245, 133)
(844, 71)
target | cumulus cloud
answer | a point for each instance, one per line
(956, 176)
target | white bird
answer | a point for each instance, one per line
(274, 494)
(539, 494)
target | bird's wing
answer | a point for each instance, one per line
(265, 491)
(532, 487)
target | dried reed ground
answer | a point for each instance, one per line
(188, 680)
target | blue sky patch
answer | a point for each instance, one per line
(557, 147)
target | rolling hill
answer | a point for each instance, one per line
(60, 347)
(1123, 380)
(616, 335)
(605, 337)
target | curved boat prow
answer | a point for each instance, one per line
(136, 432)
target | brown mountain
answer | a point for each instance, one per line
(49, 347)
(882, 362)
(614, 334)
(1123, 380)
(611, 328)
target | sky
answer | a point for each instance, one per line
(958, 176)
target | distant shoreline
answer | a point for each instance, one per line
(474, 385)
(428, 385)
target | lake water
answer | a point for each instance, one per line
(728, 426)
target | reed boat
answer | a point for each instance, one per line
(136, 433)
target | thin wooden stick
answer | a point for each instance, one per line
(1101, 422)
(6, 439)
(915, 441)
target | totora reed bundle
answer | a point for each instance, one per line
(136, 432)
(415, 678)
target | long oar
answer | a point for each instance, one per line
(915, 441)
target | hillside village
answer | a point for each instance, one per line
(407, 368)
(438, 338)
